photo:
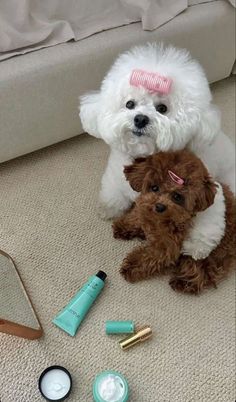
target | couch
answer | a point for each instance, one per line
(39, 91)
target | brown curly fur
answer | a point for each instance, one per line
(165, 232)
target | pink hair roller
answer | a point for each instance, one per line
(175, 178)
(153, 82)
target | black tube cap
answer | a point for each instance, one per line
(102, 275)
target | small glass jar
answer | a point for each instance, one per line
(110, 386)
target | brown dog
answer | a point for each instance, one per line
(174, 187)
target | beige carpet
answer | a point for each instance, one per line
(49, 225)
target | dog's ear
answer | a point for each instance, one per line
(209, 126)
(89, 110)
(206, 196)
(136, 173)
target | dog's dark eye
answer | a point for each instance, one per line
(130, 104)
(161, 108)
(178, 198)
(155, 188)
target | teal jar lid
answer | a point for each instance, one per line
(110, 386)
(119, 327)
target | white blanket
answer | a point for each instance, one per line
(28, 25)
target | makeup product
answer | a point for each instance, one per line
(142, 335)
(70, 318)
(119, 327)
(110, 386)
(55, 383)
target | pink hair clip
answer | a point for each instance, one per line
(175, 178)
(153, 82)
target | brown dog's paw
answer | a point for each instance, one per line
(120, 232)
(140, 234)
(126, 272)
(184, 286)
(129, 270)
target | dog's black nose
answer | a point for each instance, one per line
(160, 207)
(141, 120)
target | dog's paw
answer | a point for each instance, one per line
(197, 249)
(131, 270)
(127, 272)
(184, 286)
(121, 232)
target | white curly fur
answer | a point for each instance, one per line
(208, 231)
(191, 120)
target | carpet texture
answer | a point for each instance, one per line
(49, 226)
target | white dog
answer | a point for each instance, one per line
(136, 121)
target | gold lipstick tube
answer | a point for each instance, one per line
(142, 335)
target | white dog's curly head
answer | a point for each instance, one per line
(140, 122)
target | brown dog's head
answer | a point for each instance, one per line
(173, 185)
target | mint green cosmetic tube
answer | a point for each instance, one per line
(70, 318)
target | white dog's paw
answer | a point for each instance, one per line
(196, 249)
(105, 212)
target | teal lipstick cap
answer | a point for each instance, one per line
(110, 386)
(119, 327)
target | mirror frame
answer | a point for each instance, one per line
(12, 328)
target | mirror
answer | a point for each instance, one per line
(17, 316)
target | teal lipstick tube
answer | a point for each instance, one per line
(70, 318)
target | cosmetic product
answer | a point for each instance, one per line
(119, 327)
(142, 335)
(70, 318)
(55, 383)
(110, 386)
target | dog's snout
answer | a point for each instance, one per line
(160, 207)
(141, 120)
